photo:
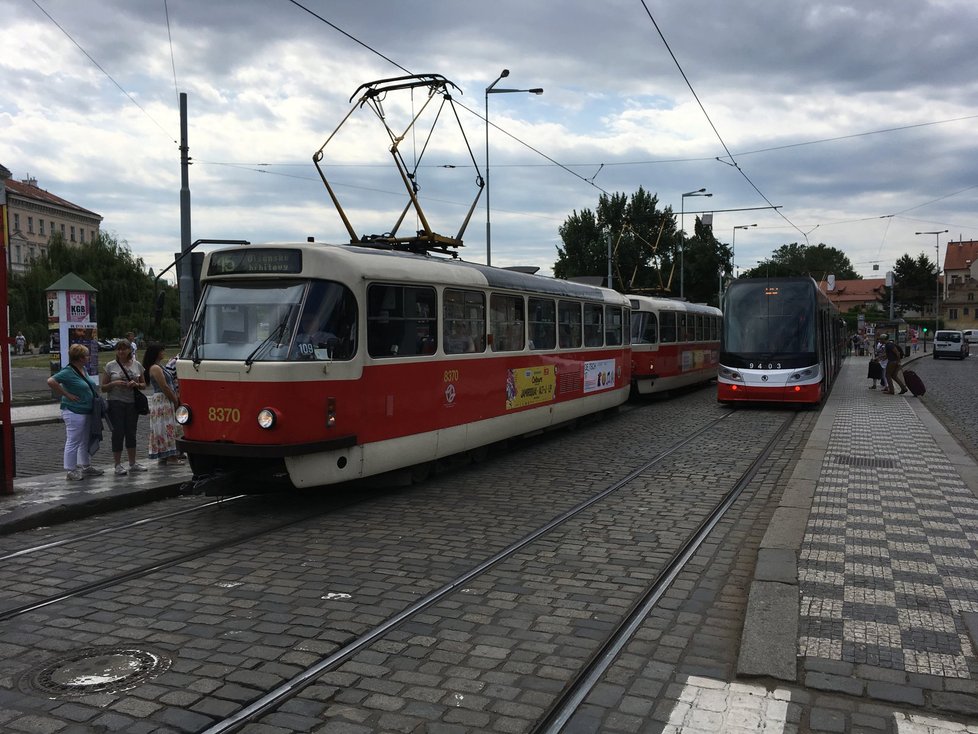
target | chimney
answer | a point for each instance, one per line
(30, 181)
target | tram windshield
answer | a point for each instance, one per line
(273, 321)
(764, 318)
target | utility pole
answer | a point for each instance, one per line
(185, 272)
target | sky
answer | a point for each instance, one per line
(855, 119)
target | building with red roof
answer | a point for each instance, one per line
(34, 215)
(849, 295)
(958, 311)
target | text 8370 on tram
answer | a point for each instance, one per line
(317, 364)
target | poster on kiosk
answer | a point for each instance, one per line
(72, 320)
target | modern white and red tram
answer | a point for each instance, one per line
(783, 342)
(322, 363)
(674, 343)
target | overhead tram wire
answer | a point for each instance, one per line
(733, 161)
(107, 75)
(457, 102)
(173, 62)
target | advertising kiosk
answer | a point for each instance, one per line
(72, 320)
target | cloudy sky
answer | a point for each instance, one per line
(856, 118)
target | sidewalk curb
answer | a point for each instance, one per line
(35, 516)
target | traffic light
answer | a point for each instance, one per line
(925, 329)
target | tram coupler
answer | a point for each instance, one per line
(216, 484)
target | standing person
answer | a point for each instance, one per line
(893, 357)
(121, 375)
(133, 342)
(879, 350)
(162, 424)
(20, 341)
(77, 403)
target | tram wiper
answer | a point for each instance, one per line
(275, 334)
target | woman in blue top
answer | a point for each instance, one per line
(77, 395)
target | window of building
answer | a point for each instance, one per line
(62, 230)
(965, 310)
(82, 234)
(952, 314)
(543, 323)
(16, 222)
(971, 296)
(464, 321)
(507, 322)
(16, 253)
(569, 317)
(72, 233)
(30, 254)
(40, 224)
(30, 225)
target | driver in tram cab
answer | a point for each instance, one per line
(311, 336)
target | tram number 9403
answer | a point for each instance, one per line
(224, 415)
(761, 366)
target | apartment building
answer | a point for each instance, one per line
(960, 307)
(34, 215)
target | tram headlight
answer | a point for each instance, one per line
(803, 374)
(267, 418)
(729, 374)
(182, 414)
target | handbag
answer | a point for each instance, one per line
(138, 397)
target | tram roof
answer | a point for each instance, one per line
(349, 262)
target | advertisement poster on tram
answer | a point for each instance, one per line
(530, 386)
(599, 375)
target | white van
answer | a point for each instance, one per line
(971, 335)
(949, 343)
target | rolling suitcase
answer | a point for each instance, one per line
(914, 383)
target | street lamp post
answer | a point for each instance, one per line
(491, 89)
(682, 238)
(733, 245)
(937, 300)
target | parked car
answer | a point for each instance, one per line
(971, 335)
(949, 343)
(107, 345)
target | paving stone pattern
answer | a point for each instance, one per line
(887, 588)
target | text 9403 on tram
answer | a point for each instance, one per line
(317, 364)
(783, 342)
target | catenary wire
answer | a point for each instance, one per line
(99, 67)
(173, 62)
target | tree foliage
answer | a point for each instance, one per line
(645, 246)
(915, 283)
(125, 298)
(818, 261)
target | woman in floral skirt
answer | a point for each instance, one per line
(162, 424)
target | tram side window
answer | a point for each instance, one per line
(507, 321)
(402, 320)
(327, 328)
(593, 325)
(699, 326)
(464, 321)
(569, 316)
(645, 328)
(542, 323)
(667, 332)
(613, 321)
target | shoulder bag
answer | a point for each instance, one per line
(138, 396)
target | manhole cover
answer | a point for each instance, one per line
(99, 670)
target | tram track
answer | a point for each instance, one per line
(573, 478)
(564, 706)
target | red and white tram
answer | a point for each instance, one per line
(674, 343)
(324, 363)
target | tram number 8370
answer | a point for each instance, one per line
(224, 415)
(768, 366)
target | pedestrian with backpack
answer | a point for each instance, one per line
(893, 356)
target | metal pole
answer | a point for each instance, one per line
(488, 234)
(185, 273)
(609, 259)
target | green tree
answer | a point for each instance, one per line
(707, 261)
(644, 242)
(817, 261)
(125, 292)
(915, 283)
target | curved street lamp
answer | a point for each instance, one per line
(682, 238)
(733, 245)
(491, 89)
